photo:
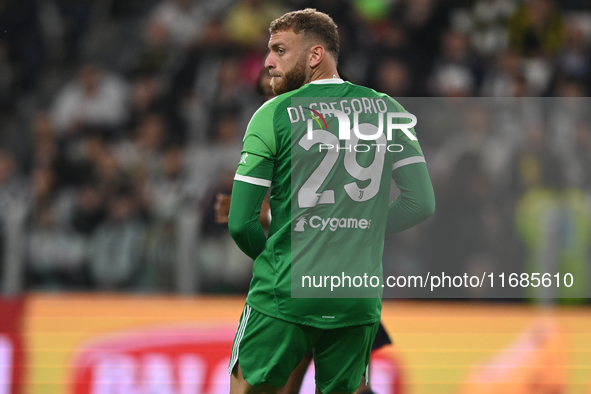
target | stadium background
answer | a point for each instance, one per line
(121, 120)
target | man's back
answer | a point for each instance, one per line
(328, 201)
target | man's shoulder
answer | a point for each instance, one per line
(350, 89)
(270, 106)
(263, 120)
(364, 91)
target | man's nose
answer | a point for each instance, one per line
(269, 62)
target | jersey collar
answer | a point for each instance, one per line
(329, 80)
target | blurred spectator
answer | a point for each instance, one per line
(393, 47)
(89, 211)
(13, 185)
(195, 82)
(55, 253)
(226, 126)
(456, 72)
(6, 76)
(506, 78)
(476, 138)
(74, 20)
(222, 90)
(263, 86)
(169, 190)
(405, 256)
(229, 87)
(530, 160)
(170, 195)
(554, 222)
(114, 257)
(111, 179)
(342, 12)
(569, 87)
(142, 152)
(21, 42)
(147, 98)
(460, 221)
(156, 56)
(224, 267)
(15, 197)
(573, 58)
(14, 189)
(183, 20)
(423, 21)
(252, 59)
(372, 12)
(94, 99)
(78, 156)
(44, 148)
(247, 19)
(393, 78)
(207, 163)
(488, 34)
(582, 153)
(152, 67)
(536, 29)
(453, 81)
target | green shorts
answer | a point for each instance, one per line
(269, 349)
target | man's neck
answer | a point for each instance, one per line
(319, 73)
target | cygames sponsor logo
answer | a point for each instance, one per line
(332, 224)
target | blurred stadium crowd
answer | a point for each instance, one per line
(121, 120)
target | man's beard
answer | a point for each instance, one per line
(292, 79)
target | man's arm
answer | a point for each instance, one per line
(222, 210)
(243, 219)
(253, 178)
(416, 202)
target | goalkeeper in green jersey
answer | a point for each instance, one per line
(294, 383)
(330, 212)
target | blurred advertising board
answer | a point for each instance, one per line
(181, 360)
(11, 346)
(110, 344)
(186, 360)
(131, 344)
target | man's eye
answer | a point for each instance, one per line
(280, 51)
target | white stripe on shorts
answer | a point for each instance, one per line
(239, 335)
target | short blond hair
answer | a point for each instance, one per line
(314, 24)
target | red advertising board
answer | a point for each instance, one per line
(11, 346)
(167, 361)
(187, 360)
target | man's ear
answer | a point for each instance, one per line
(316, 55)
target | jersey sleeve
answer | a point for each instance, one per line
(416, 202)
(243, 219)
(260, 135)
(253, 177)
(259, 149)
(411, 152)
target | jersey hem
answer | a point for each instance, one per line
(294, 320)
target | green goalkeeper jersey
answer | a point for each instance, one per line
(327, 151)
